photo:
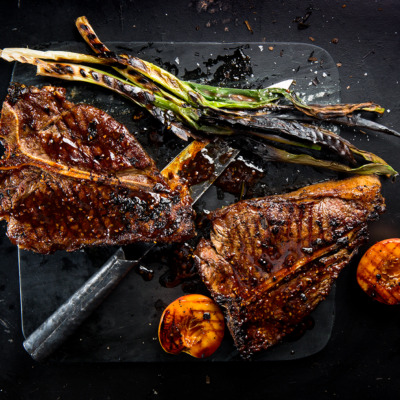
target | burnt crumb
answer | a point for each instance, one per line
(343, 241)
(334, 222)
(311, 57)
(318, 242)
(206, 316)
(265, 264)
(210, 6)
(248, 26)
(368, 54)
(335, 41)
(15, 92)
(302, 21)
(130, 204)
(146, 273)
(133, 161)
(308, 250)
(275, 230)
(92, 130)
(138, 115)
(160, 188)
(176, 199)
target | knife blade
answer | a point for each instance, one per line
(70, 315)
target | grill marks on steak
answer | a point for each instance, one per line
(72, 176)
(75, 140)
(270, 261)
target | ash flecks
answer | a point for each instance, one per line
(213, 7)
(210, 6)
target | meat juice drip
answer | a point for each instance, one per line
(223, 70)
(300, 330)
(239, 178)
(197, 170)
(182, 270)
(237, 175)
(146, 273)
(235, 67)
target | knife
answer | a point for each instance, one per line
(70, 315)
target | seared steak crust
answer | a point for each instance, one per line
(72, 177)
(270, 261)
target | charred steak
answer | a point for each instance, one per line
(72, 176)
(270, 261)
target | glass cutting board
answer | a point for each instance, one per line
(124, 327)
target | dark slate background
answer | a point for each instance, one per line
(362, 358)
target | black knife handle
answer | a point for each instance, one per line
(64, 321)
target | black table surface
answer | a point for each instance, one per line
(362, 356)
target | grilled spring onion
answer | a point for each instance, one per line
(188, 108)
(172, 115)
(212, 96)
(274, 154)
(226, 96)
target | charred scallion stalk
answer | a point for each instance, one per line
(305, 131)
(190, 109)
(212, 96)
(173, 116)
(155, 104)
(153, 101)
(274, 154)
(288, 112)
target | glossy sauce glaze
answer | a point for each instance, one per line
(74, 177)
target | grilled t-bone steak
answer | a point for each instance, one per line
(270, 261)
(72, 176)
